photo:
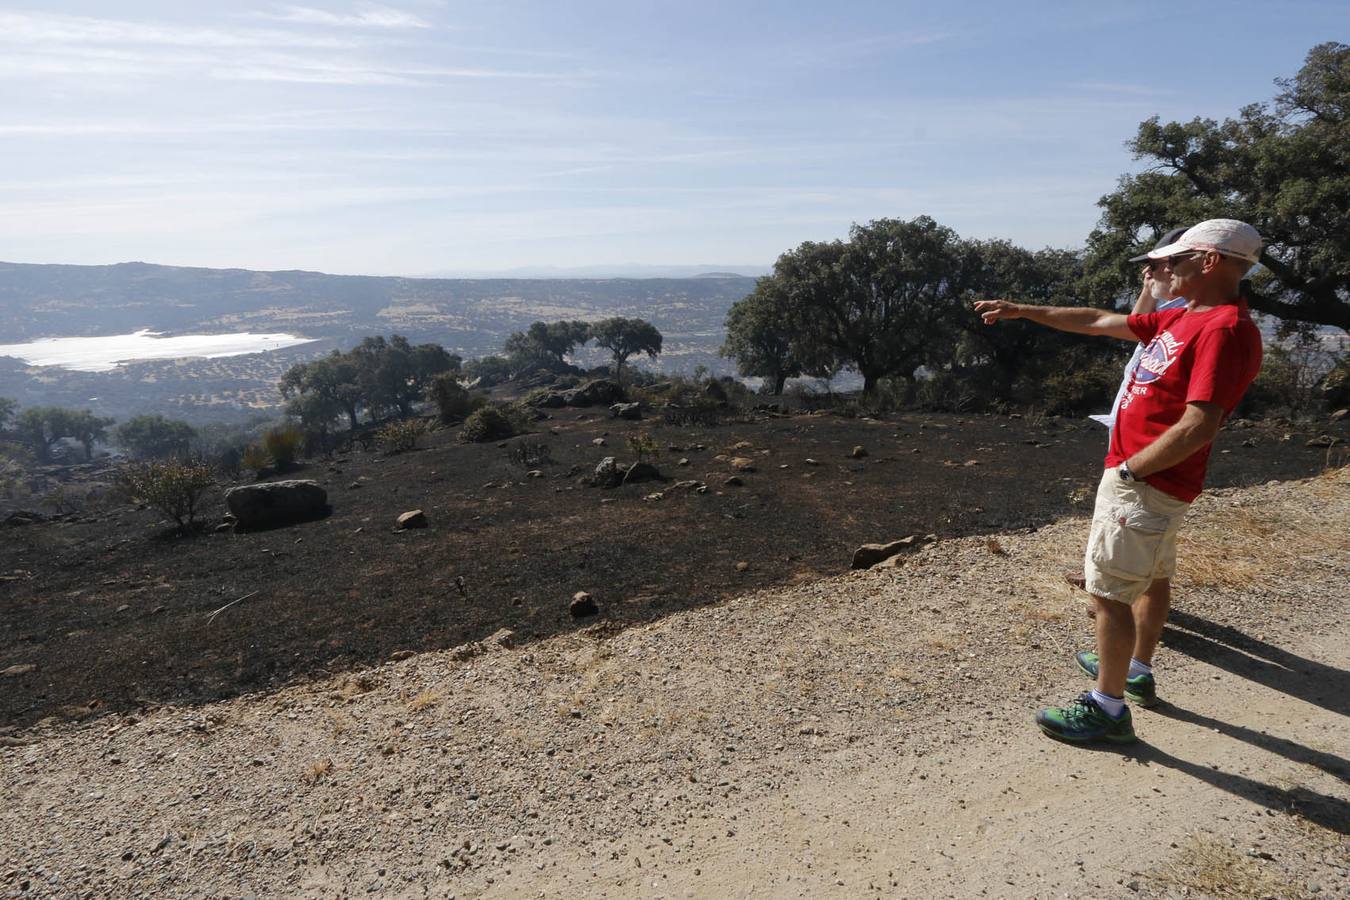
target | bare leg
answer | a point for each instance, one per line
(1115, 641)
(1150, 615)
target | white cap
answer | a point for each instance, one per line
(1227, 236)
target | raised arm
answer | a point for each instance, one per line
(1079, 320)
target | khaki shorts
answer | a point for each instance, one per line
(1133, 539)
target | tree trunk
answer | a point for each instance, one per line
(870, 380)
(778, 381)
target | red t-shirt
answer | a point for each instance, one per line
(1210, 356)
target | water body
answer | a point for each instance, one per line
(102, 354)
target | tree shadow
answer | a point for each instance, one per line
(1256, 660)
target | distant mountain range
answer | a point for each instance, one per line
(471, 317)
(625, 270)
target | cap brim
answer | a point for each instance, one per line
(1140, 258)
(1163, 252)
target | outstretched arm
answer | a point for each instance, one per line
(1081, 320)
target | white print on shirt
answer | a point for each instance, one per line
(1158, 357)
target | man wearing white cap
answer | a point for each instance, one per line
(1196, 366)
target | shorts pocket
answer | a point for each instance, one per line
(1130, 542)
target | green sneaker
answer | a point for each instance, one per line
(1083, 720)
(1140, 689)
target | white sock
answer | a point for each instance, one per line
(1112, 706)
(1138, 668)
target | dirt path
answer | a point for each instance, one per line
(1006, 813)
(866, 735)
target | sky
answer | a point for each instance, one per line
(421, 137)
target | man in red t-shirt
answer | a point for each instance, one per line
(1196, 366)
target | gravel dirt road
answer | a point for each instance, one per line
(864, 735)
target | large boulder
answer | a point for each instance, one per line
(276, 503)
(594, 393)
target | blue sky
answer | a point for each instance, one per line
(415, 137)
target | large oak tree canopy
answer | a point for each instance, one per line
(1283, 166)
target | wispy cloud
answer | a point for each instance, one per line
(367, 16)
(36, 44)
(29, 29)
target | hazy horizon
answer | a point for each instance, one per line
(419, 137)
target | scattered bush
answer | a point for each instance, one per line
(173, 487)
(490, 423)
(529, 454)
(943, 392)
(283, 445)
(255, 458)
(401, 436)
(1087, 387)
(453, 401)
(642, 445)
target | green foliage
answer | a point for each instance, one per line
(882, 302)
(490, 423)
(1293, 379)
(624, 337)
(8, 408)
(1082, 383)
(155, 437)
(174, 487)
(378, 375)
(1335, 385)
(545, 345)
(529, 454)
(761, 337)
(401, 436)
(1283, 166)
(642, 445)
(40, 427)
(488, 370)
(453, 400)
(282, 445)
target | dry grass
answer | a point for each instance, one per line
(338, 722)
(1235, 546)
(424, 700)
(1206, 867)
(317, 770)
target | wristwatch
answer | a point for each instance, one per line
(1125, 474)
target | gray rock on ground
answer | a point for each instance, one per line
(276, 503)
(582, 605)
(607, 473)
(626, 411)
(869, 555)
(413, 518)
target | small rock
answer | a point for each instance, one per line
(1339, 414)
(859, 452)
(811, 462)
(742, 566)
(598, 442)
(582, 605)
(400, 655)
(868, 555)
(534, 473)
(414, 518)
(1323, 440)
(17, 670)
(502, 637)
(734, 481)
(684, 461)
(743, 464)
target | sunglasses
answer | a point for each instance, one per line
(1175, 260)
